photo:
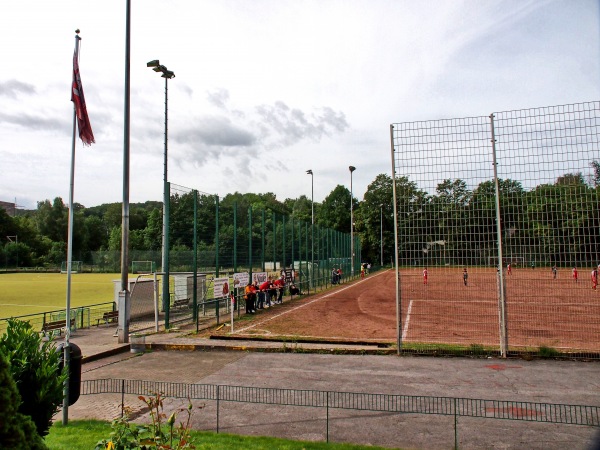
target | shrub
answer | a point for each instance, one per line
(16, 430)
(34, 366)
(548, 352)
(161, 433)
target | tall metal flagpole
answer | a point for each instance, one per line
(66, 349)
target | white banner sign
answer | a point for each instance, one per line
(260, 277)
(240, 280)
(221, 287)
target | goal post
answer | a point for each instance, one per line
(514, 261)
(142, 266)
(76, 267)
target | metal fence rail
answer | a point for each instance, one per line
(556, 413)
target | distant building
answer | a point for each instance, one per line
(10, 208)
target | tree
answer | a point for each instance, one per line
(301, 208)
(17, 430)
(596, 176)
(376, 206)
(334, 212)
(52, 219)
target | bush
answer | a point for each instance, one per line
(162, 433)
(16, 430)
(34, 366)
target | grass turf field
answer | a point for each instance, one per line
(31, 293)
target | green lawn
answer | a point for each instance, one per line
(30, 293)
(84, 434)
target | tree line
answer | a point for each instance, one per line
(557, 223)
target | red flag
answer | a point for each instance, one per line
(85, 128)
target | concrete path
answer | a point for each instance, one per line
(177, 358)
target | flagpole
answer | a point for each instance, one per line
(66, 348)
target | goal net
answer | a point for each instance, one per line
(76, 267)
(514, 261)
(142, 266)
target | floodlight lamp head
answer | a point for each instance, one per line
(309, 172)
(168, 73)
(153, 63)
(352, 169)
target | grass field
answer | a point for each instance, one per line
(31, 293)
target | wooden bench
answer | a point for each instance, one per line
(109, 316)
(181, 303)
(50, 328)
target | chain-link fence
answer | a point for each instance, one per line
(518, 187)
(210, 241)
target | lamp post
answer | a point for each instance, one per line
(167, 75)
(312, 228)
(352, 169)
(381, 234)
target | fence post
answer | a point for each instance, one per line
(218, 398)
(166, 297)
(283, 265)
(216, 236)
(327, 417)
(250, 241)
(195, 261)
(274, 241)
(455, 424)
(501, 291)
(122, 398)
(263, 241)
(234, 237)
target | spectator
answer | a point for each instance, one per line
(249, 297)
(265, 298)
(294, 290)
(272, 292)
(280, 285)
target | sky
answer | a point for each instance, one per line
(265, 90)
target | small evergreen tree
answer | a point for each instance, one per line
(16, 430)
(34, 366)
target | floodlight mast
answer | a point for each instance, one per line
(167, 75)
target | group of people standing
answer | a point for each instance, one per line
(575, 275)
(364, 269)
(267, 294)
(336, 275)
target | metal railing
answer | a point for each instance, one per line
(85, 316)
(552, 413)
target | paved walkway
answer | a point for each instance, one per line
(177, 357)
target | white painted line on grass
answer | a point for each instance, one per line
(31, 306)
(407, 321)
(302, 306)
